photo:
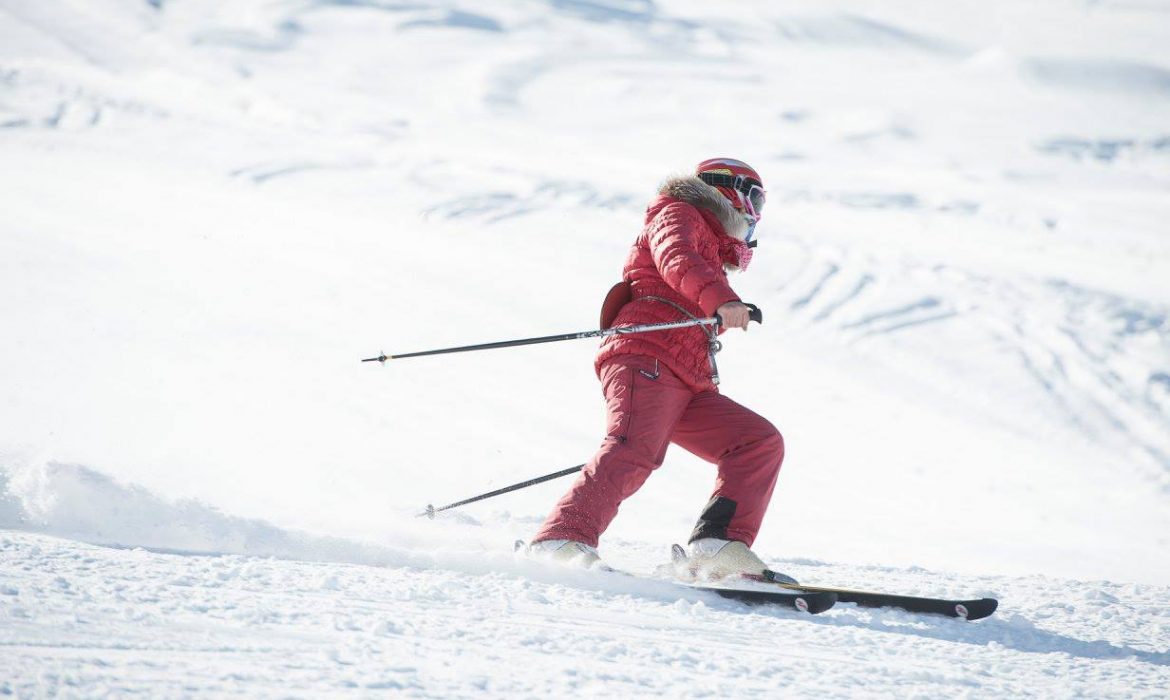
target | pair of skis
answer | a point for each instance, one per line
(778, 589)
(817, 599)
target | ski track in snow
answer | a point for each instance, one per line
(1080, 346)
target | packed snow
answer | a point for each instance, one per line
(212, 210)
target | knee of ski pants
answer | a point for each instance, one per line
(769, 444)
(777, 447)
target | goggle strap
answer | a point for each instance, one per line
(739, 183)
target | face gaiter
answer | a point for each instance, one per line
(735, 252)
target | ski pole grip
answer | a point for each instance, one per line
(754, 314)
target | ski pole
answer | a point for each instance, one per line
(756, 315)
(431, 510)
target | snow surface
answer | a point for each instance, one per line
(212, 210)
(94, 621)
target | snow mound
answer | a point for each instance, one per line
(79, 503)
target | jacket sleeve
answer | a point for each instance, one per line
(672, 241)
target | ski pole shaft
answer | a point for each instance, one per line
(756, 315)
(550, 339)
(431, 510)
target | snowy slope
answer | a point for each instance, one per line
(129, 621)
(212, 210)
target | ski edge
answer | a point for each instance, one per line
(812, 602)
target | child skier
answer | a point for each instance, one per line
(661, 387)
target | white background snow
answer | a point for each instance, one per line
(211, 210)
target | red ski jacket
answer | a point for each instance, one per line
(679, 257)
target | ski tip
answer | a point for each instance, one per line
(976, 609)
(815, 603)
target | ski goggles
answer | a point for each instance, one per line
(752, 200)
(750, 192)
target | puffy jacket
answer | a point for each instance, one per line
(680, 256)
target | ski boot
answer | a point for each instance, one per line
(714, 558)
(566, 552)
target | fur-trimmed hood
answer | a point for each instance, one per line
(694, 191)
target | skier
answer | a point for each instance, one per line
(662, 387)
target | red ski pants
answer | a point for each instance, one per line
(648, 407)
